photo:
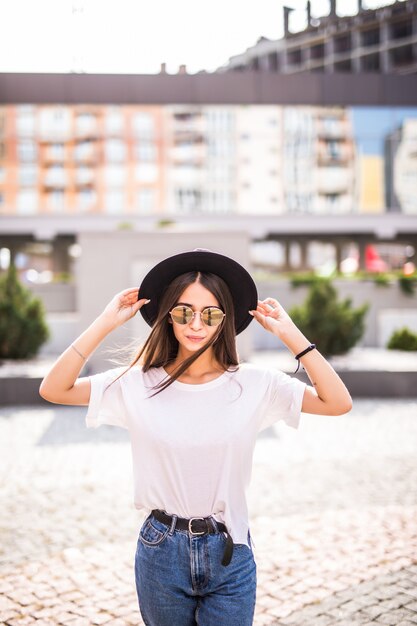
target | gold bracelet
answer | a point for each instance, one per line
(78, 352)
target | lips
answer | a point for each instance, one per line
(191, 338)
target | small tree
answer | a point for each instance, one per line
(403, 339)
(22, 319)
(334, 326)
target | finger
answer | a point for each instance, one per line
(271, 302)
(130, 290)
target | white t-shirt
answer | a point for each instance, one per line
(192, 445)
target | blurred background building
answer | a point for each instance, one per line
(373, 40)
(318, 176)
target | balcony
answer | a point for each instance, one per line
(333, 180)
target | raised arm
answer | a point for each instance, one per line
(328, 395)
(62, 385)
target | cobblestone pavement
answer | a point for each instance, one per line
(333, 517)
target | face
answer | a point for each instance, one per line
(192, 336)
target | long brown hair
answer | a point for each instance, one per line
(161, 347)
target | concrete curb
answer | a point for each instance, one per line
(23, 391)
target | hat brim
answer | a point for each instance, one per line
(237, 278)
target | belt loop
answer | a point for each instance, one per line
(213, 523)
(173, 523)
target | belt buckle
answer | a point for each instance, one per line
(190, 530)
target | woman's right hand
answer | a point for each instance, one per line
(123, 307)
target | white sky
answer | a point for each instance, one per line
(136, 36)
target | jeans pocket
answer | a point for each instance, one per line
(151, 535)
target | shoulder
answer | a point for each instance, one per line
(261, 374)
(122, 373)
(257, 372)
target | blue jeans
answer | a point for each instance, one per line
(180, 580)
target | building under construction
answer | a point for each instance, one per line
(374, 40)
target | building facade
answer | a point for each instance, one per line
(374, 40)
(172, 161)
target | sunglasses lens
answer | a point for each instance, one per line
(182, 314)
(212, 316)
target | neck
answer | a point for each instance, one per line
(205, 364)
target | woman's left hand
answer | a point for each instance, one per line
(272, 316)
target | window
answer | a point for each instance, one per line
(333, 149)
(28, 175)
(25, 121)
(146, 173)
(84, 151)
(27, 202)
(402, 29)
(146, 200)
(343, 43)
(145, 151)
(27, 151)
(402, 56)
(114, 202)
(55, 176)
(370, 37)
(55, 123)
(84, 175)
(114, 121)
(370, 63)
(86, 199)
(188, 200)
(115, 175)
(294, 56)
(86, 123)
(317, 52)
(56, 152)
(143, 125)
(56, 200)
(115, 150)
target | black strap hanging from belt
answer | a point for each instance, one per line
(199, 526)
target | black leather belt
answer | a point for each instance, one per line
(199, 526)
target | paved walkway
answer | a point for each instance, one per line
(333, 516)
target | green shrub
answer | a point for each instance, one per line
(381, 279)
(403, 339)
(334, 326)
(303, 279)
(22, 319)
(407, 284)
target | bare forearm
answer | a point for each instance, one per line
(68, 366)
(327, 383)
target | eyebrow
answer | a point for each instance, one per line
(191, 305)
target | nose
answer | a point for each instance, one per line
(196, 322)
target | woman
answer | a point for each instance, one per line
(193, 413)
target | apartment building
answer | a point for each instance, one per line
(57, 159)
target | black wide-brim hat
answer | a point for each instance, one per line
(239, 281)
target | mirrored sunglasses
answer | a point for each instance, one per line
(211, 316)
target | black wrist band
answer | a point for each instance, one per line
(298, 356)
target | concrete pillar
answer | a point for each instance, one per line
(329, 55)
(361, 247)
(304, 254)
(384, 38)
(287, 255)
(356, 50)
(60, 258)
(338, 249)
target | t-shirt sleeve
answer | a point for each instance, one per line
(106, 404)
(284, 399)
